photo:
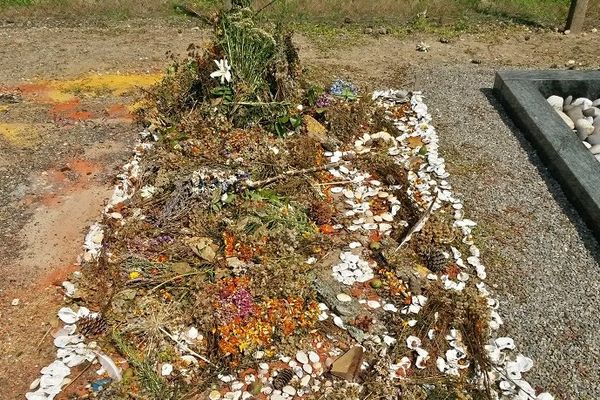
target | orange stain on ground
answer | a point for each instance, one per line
(75, 176)
(70, 110)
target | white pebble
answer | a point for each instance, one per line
(289, 390)
(344, 298)
(373, 304)
(302, 357)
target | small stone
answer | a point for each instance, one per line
(556, 102)
(566, 118)
(584, 128)
(592, 112)
(313, 357)
(574, 112)
(214, 395)
(289, 390)
(307, 368)
(305, 380)
(594, 139)
(302, 357)
(373, 304)
(344, 298)
(15, 302)
(348, 365)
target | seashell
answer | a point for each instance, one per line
(524, 363)
(505, 343)
(413, 342)
(307, 368)
(344, 298)
(375, 182)
(349, 194)
(383, 195)
(377, 218)
(337, 189)
(343, 169)
(339, 322)
(292, 363)
(370, 226)
(354, 245)
(390, 307)
(302, 357)
(385, 227)
(421, 361)
(225, 378)
(67, 315)
(166, 369)
(389, 340)
(441, 364)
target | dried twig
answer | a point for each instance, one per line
(42, 339)
(265, 6)
(254, 185)
(185, 347)
(419, 225)
(78, 376)
(175, 278)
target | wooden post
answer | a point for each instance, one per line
(577, 15)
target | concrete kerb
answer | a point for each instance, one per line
(523, 94)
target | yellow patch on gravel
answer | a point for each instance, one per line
(19, 134)
(114, 84)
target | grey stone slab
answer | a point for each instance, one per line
(524, 94)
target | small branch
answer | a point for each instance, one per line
(420, 223)
(175, 278)
(78, 376)
(185, 347)
(265, 6)
(42, 339)
(254, 185)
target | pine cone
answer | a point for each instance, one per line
(92, 326)
(435, 259)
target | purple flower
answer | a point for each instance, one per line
(324, 100)
(242, 299)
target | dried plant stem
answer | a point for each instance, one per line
(420, 223)
(185, 347)
(254, 185)
(78, 376)
(175, 278)
(42, 339)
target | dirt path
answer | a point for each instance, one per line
(69, 129)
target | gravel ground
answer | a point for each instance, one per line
(541, 258)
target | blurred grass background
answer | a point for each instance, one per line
(418, 13)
